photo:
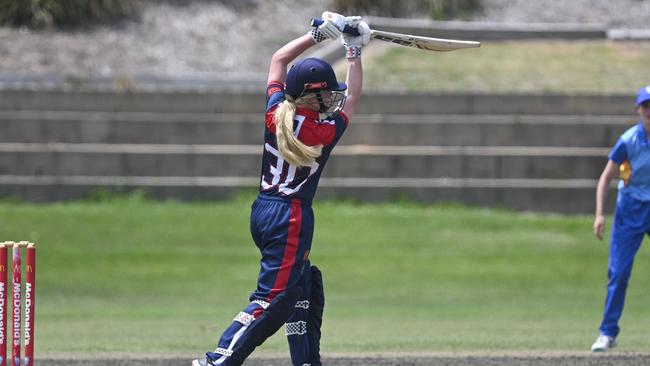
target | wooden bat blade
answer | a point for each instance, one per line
(423, 43)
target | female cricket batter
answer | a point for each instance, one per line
(307, 112)
(630, 156)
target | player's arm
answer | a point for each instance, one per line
(610, 171)
(287, 53)
(354, 78)
(330, 29)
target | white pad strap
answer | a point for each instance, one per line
(244, 318)
(223, 352)
(297, 328)
(261, 303)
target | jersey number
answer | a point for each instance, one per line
(285, 183)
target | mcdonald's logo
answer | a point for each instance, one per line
(29, 269)
(3, 268)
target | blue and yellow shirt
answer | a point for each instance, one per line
(632, 147)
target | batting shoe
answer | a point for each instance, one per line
(209, 360)
(603, 343)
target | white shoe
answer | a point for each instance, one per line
(603, 343)
(212, 358)
(202, 362)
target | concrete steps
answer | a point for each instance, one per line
(525, 152)
(347, 161)
(251, 100)
(245, 128)
(565, 196)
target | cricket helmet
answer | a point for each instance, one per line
(311, 75)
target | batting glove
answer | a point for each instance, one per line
(353, 44)
(330, 29)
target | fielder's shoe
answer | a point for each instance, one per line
(603, 343)
(209, 360)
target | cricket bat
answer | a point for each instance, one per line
(423, 43)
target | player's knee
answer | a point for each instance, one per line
(285, 301)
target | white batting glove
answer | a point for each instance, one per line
(353, 44)
(353, 20)
(361, 26)
(331, 28)
(333, 25)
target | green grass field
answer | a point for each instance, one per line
(514, 66)
(129, 275)
(134, 276)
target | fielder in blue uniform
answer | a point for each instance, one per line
(630, 158)
(306, 114)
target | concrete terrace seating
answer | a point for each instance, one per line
(527, 152)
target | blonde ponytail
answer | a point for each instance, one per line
(292, 149)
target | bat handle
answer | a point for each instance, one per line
(316, 22)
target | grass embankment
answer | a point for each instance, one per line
(130, 275)
(514, 66)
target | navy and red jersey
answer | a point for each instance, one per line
(279, 178)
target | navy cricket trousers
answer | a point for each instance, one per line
(282, 230)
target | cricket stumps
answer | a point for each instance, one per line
(16, 302)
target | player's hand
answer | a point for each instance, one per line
(599, 226)
(364, 32)
(361, 26)
(333, 25)
(353, 44)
